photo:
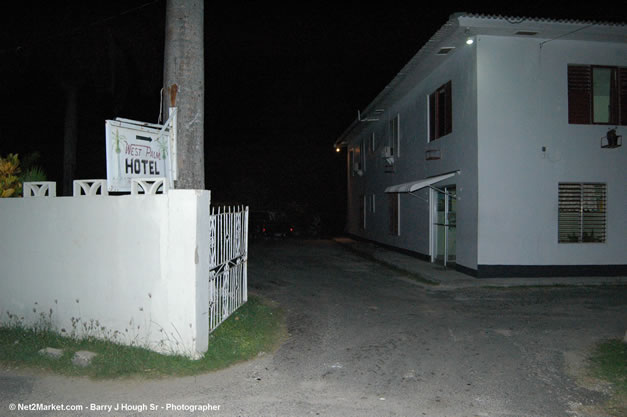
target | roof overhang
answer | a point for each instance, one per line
(410, 187)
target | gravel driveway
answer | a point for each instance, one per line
(365, 341)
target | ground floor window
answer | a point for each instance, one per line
(362, 212)
(582, 212)
(394, 207)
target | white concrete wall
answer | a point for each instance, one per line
(458, 151)
(523, 106)
(135, 265)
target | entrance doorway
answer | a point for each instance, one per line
(443, 225)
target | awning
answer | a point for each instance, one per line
(410, 187)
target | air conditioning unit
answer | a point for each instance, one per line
(357, 169)
(387, 154)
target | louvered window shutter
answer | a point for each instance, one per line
(582, 212)
(622, 101)
(579, 94)
(432, 119)
(448, 128)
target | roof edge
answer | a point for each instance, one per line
(455, 22)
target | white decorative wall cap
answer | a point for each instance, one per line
(149, 185)
(40, 189)
(89, 187)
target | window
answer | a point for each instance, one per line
(351, 161)
(597, 95)
(362, 155)
(356, 159)
(395, 136)
(373, 143)
(394, 213)
(440, 112)
(582, 208)
(362, 212)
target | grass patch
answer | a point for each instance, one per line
(257, 326)
(608, 362)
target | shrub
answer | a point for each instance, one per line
(10, 184)
(12, 176)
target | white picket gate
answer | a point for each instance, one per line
(228, 262)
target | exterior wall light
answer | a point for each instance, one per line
(470, 41)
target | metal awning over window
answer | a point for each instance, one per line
(410, 187)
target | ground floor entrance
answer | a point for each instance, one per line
(443, 224)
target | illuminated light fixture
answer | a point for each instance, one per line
(469, 39)
(337, 149)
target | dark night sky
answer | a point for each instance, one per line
(282, 82)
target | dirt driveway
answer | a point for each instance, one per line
(364, 341)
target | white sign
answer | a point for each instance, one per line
(135, 150)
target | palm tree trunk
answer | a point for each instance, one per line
(184, 68)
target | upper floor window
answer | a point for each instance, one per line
(351, 161)
(440, 112)
(357, 159)
(372, 143)
(395, 136)
(597, 95)
(362, 155)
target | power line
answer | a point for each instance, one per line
(76, 30)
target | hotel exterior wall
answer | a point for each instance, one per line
(458, 151)
(523, 107)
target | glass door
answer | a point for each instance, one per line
(444, 225)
